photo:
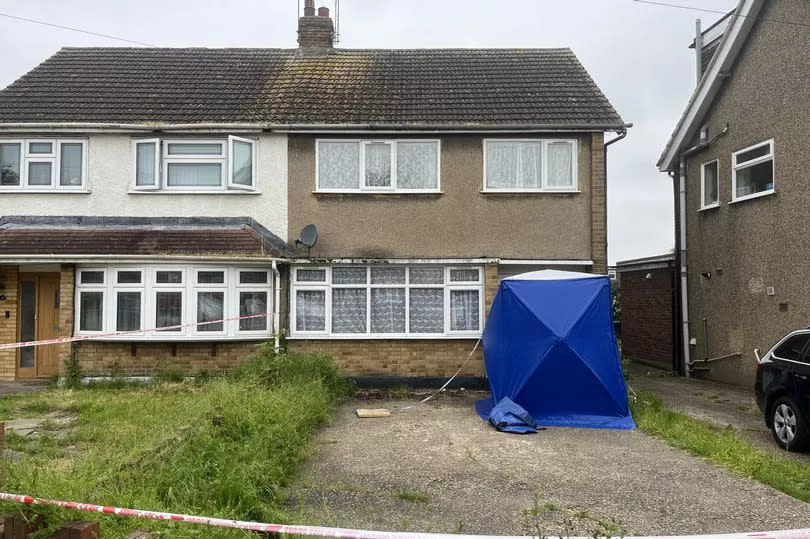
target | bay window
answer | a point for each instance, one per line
(530, 165)
(194, 164)
(406, 166)
(386, 301)
(174, 302)
(752, 171)
(43, 164)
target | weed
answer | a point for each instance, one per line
(459, 529)
(169, 375)
(414, 496)
(400, 392)
(72, 378)
(722, 446)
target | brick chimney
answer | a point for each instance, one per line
(315, 33)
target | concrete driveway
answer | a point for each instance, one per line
(439, 468)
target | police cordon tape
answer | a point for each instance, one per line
(61, 340)
(320, 531)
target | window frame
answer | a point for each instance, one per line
(134, 184)
(447, 287)
(544, 187)
(362, 188)
(735, 167)
(231, 185)
(54, 158)
(167, 159)
(715, 204)
(149, 287)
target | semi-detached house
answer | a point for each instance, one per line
(158, 192)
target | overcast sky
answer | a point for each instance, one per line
(637, 53)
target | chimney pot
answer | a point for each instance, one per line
(323, 11)
(309, 8)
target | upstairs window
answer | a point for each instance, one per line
(194, 164)
(530, 165)
(709, 178)
(752, 174)
(43, 164)
(402, 166)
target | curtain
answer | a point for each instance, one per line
(252, 303)
(339, 165)
(39, 173)
(348, 310)
(146, 154)
(210, 306)
(388, 310)
(426, 276)
(349, 276)
(417, 165)
(70, 164)
(387, 275)
(10, 164)
(310, 275)
(310, 310)
(90, 311)
(168, 310)
(128, 311)
(464, 308)
(194, 174)
(464, 275)
(427, 310)
(378, 165)
(560, 164)
(242, 166)
(514, 165)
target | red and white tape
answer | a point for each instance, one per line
(320, 531)
(60, 340)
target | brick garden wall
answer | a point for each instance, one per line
(647, 310)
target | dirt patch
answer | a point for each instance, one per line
(439, 468)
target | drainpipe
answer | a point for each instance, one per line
(620, 135)
(276, 306)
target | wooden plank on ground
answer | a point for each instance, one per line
(371, 413)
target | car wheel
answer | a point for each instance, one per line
(789, 427)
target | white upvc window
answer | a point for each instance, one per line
(52, 165)
(194, 165)
(530, 165)
(710, 185)
(753, 171)
(377, 166)
(387, 301)
(175, 302)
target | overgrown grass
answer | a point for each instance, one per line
(724, 447)
(415, 496)
(225, 447)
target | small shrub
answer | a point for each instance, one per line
(400, 392)
(73, 372)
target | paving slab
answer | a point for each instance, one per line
(440, 468)
(718, 404)
(28, 386)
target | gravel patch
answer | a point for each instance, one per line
(439, 468)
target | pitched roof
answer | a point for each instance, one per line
(137, 236)
(405, 88)
(713, 79)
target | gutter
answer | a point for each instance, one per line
(308, 128)
(105, 259)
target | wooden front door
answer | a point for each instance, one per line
(38, 318)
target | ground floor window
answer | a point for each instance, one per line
(386, 301)
(174, 302)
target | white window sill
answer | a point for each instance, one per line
(378, 336)
(530, 191)
(755, 195)
(178, 338)
(710, 207)
(44, 191)
(191, 192)
(372, 192)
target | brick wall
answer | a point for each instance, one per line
(8, 326)
(136, 359)
(598, 205)
(647, 325)
(66, 280)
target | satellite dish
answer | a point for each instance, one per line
(308, 236)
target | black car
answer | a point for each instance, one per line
(783, 390)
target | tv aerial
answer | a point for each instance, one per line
(307, 238)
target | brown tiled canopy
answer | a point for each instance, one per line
(460, 88)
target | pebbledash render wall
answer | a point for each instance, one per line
(405, 357)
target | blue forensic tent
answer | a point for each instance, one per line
(550, 347)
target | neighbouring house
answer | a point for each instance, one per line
(150, 190)
(738, 157)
